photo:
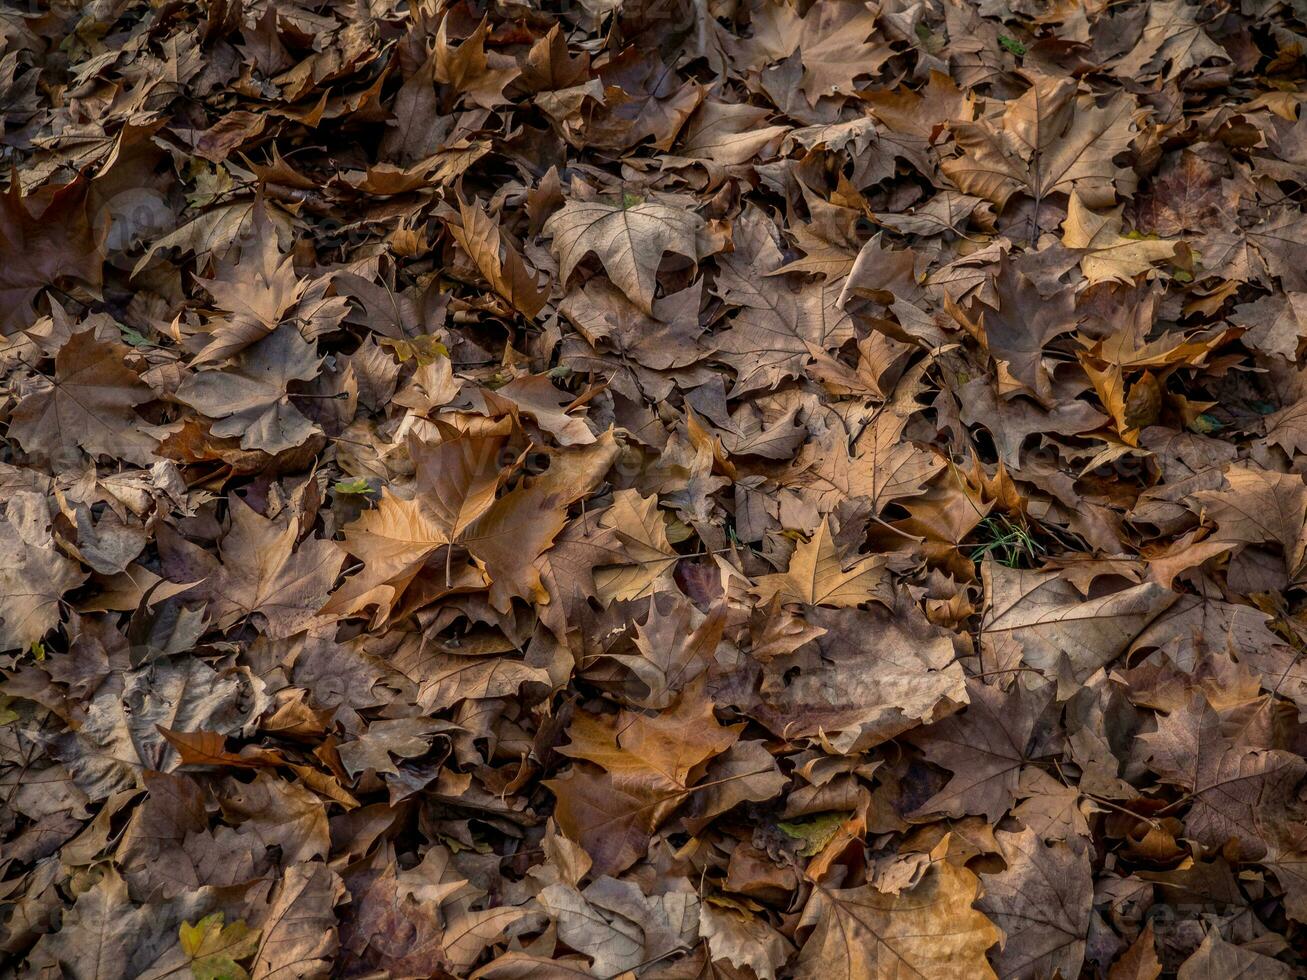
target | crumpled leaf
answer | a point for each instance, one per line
(619, 927)
(780, 324)
(874, 673)
(1216, 957)
(1110, 255)
(102, 936)
(641, 770)
(1173, 41)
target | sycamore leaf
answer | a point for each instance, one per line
(468, 68)
(461, 473)
(641, 769)
(42, 249)
(1023, 324)
(90, 403)
(877, 672)
(671, 653)
(297, 926)
(618, 926)
(1186, 196)
(1042, 620)
(728, 134)
(1218, 958)
(641, 556)
(744, 940)
(833, 41)
(1236, 793)
(817, 576)
(103, 935)
(252, 398)
(497, 260)
(1051, 140)
(457, 506)
(781, 324)
(32, 584)
(257, 292)
(629, 241)
(1042, 901)
(265, 572)
(985, 746)
(1172, 42)
(418, 923)
(928, 931)
(1140, 961)
(1261, 507)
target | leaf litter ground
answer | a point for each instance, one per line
(661, 488)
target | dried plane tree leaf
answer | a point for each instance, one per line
(32, 585)
(629, 240)
(102, 935)
(875, 673)
(252, 399)
(1050, 140)
(1216, 957)
(1042, 901)
(648, 767)
(297, 933)
(1234, 791)
(985, 747)
(861, 932)
(498, 260)
(89, 404)
(45, 241)
(1042, 620)
(1110, 256)
(779, 327)
(816, 576)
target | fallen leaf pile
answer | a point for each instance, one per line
(663, 488)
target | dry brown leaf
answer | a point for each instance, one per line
(931, 930)
(629, 240)
(816, 576)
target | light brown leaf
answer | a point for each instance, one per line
(629, 241)
(930, 931)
